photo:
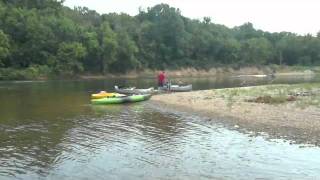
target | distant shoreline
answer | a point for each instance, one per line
(219, 71)
(278, 120)
(250, 71)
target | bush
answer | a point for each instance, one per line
(30, 73)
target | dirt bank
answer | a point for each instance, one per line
(286, 120)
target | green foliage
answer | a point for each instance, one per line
(91, 61)
(43, 4)
(44, 33)
(257, 51)
(109, 46)
(70, 56)
(32, 72)
(126, 52)
(4, 47)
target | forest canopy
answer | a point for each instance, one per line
(45, 37)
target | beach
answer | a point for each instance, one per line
(289, 120)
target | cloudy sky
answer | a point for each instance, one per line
(299, 16)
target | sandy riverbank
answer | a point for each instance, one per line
(286, 120)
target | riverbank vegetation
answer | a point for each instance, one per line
(299, 95)
(45, 38)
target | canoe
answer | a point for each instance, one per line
(104, 94)
(120, 100)
(133, 90)
(177, 88)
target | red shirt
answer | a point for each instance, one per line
(161, 77)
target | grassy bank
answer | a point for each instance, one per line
(299, 95)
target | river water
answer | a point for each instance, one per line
(49, 130)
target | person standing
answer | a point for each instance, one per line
(161, 79)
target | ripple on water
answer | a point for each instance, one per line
(145, 142)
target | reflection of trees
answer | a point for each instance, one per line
(34, 120)
(31, 146)
(39, 123)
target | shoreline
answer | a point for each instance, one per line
(250, 71)
(279, 121)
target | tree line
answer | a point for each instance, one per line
(45, 37)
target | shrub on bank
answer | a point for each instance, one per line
(30, 73)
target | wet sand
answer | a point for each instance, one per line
(282, 120)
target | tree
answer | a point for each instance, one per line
(109, 46)
(70, 56)
(164, 34)
(246, 31)
(257, 51)
(207, 20)
(91, 42)
(38, 4)
(44, 33)
(126, 55)
(229, 53)
(4, 47)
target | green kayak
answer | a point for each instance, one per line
(120, 100)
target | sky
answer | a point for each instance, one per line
(298, 16)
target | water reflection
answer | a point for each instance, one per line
(50, 131)
(142, 141)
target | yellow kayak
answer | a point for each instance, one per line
(104, 94)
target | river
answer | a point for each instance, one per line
(49, 130)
